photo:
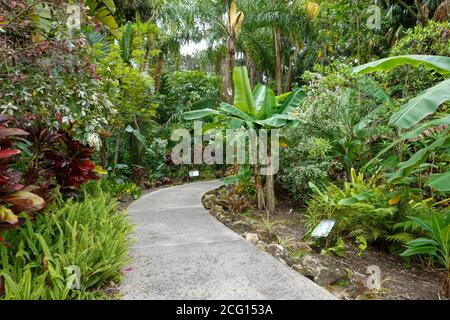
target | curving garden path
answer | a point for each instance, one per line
(184, 253)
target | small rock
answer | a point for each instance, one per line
(208, 201)
(276, 251)
(262, 245)
(217, 211)
(322, 269)
(252, 237)
(239, 223)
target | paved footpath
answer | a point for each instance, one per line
(184, 253)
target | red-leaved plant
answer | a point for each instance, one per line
(70, 162)
(15, 197)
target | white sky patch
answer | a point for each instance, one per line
(193, 47)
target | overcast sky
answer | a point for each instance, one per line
(192, 47)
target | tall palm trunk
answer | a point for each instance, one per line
(158, 72)
(230, 63)
(278, 66)
(251, 71)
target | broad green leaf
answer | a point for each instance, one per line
(373, 89)
(230, 109)
(234, 123)
(409, 135)
(259, 94)
(292, 101)
(125, 42)
(211, 126)
(198, 114)
(421, 106)
(422, 242)
(314, 188)
(440, 182)
(243, 98)
(278, 121)
(431, 250)
(419, 129)
(418, 158)
(421, 223)
(355, 199)
(438, 63)
(269, 106)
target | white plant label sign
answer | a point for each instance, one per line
(323, 229)
(194, 173)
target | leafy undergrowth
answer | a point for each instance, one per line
(39, 261)
(400, 280)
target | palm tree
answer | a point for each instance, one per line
(287, 21)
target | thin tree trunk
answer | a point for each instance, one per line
(259, 189)
(230, 63)
(104, 153)
(116, 151)
(278, 67)
(158, 72)
(270, 184)
(252, 71)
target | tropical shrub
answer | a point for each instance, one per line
(15, 198)
(37, 260)
(46, 72)
(305, 160)
(430, 39)
(361, 208)
(435, 244)
(423, 120)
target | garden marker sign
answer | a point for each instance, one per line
(323, 229)
(193, 174)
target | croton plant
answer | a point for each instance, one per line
(15, 197)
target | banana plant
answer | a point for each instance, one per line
(411, 115)
(103, 11)
(436, 244)
(257, 109)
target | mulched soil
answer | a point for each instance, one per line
(399, 280)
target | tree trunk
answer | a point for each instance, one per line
(278, 67)
(104, 153)
(230, 63)
(251, 71)
(116, 152)
(158, 72)
(259, 189)
(270, 184)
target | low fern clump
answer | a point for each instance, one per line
(42, 259)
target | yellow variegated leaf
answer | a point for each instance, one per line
(6, 215)
(394, 201)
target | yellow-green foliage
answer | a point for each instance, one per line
(359, 207)
(91, 235)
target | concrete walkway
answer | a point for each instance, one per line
(184, 253)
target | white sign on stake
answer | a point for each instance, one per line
(194, 173)
(323, 229)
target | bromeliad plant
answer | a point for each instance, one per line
(15, 198)
(257, 109)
